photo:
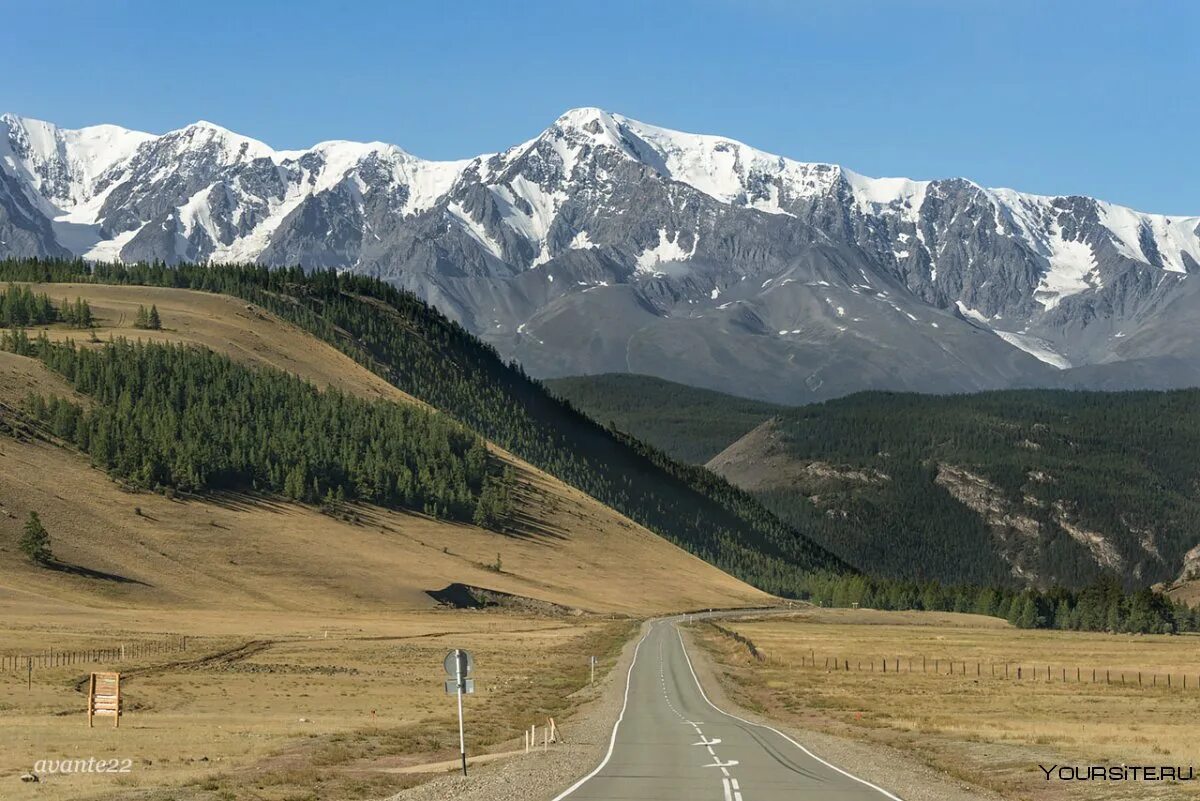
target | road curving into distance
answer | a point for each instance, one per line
(671, 743)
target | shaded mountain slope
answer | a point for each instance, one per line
(1038, 487)
(687, 423)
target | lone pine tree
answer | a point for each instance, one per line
(35, 542)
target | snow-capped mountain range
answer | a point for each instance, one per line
(606, 244)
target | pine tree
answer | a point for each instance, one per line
(1028, 617)
(35, 542)
(142, 320)
(987, 602)
(153, 321)
(1062, 615)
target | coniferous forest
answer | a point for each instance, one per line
(688, 423)
(414, 347)
(170, 416)
(21, 307)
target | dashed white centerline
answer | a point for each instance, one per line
(732, 792)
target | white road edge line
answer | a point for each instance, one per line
(764, 726)
(612, 741)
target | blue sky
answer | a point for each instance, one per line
(1054, 97)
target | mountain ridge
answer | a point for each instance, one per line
(696, 258)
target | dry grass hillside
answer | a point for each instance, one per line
(761, 461)
(246, 552)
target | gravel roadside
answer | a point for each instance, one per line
(541, 776)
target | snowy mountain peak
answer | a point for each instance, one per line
(63, 165)
(110, 192)
(584, 117)
(217, 141)
(777, 259)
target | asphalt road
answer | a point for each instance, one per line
(671, 744)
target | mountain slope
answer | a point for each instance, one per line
(608, 245)
(1035, 487)
(414, 348)
(689, 424)
(247, 551)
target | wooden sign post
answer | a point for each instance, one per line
(104, 697)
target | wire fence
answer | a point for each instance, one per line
(1012, 670)
(52, 657)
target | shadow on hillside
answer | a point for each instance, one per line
(90, 573)
(246, 502)
(525, 527)
(519, 524)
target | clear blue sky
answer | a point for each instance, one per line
(1048, 96)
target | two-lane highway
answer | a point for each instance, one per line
(672, 744)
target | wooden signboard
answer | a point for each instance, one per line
(104, 697)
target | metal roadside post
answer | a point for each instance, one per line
(459, 664)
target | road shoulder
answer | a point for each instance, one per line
(890, 768)
(540, 776)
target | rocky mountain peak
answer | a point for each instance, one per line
(580, 248)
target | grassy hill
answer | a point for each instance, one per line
(1045, 487)
(234, 549)
(687, 423)
(413, 348)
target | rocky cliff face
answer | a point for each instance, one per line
(605, 244)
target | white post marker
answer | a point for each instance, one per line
(459, 663)
(593, 681)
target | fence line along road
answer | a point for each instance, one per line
(1014, 671)
(1011, 670)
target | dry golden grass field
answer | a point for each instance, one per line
(314, 651)
(991, 732)
(289, 707)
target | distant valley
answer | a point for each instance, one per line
(1036, 487)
